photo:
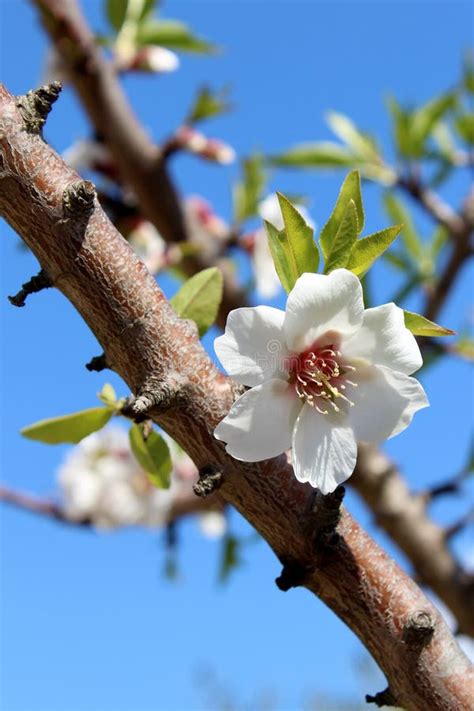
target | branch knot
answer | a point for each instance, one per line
(78, 198)
(36, 105)
(210, 479)
(37, 283)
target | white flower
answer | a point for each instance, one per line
(267, 280)
(213, 524)
(322, 375)
(149, 245)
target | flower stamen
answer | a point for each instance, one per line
(319, 375)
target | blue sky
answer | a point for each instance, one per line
(87, 621)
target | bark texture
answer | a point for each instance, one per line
(157, 353)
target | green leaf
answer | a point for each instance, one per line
(116, 11)
(439, 239)
(323, 154)
(248, 193)
(344, 240)
(230, 557)
(465, 348)
(208, 103)
(293, 248)
(421, 326)
(468, 73)
(68, 428)
(107, 396)
(173, 34)
(427, 116)
(348, 132)
(365, 251)
(350, 190)
(153, 455)
(199, 298)
(465, 127)
(398, 213)
(402, 121)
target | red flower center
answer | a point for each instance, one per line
(319, 377)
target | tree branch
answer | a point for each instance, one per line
(403, 516)
(143, 167)
(184, 504)
(140, 162)
(143, 339)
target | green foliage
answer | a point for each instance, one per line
(208, 103)
(412, 128)
(365, 251)
(68, 428)
(421, 326)
(117, 11)
(361, 144)
(230, 557)
(109, 398)
(152, 453)
(465, 347)
(465, 127)
(199, 298)
(173, 34)
(350, 190)
(321, 154)
(398, 213)
(248, 193)
(338, 250)
(293, 248)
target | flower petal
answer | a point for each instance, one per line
(324, 450)
(383, 339)
(252, 348)
(384, 403)
(260, 422)
(319, 303)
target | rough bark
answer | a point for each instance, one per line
(153, 351)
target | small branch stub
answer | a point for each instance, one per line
(37, 283)
(97, 363)
(161, 396)
(78, 198)
(210, 479)
(292, 575)
(418, 629)
(326, 516)
(36, 105)
(383, 698)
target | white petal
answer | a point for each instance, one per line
(324, 450)
(260, 422)
(252, 348)
(319, 303)
(269, 210)
(267, 280)
(383, 339)
(384, 403)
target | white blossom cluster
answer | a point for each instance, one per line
(101, 482)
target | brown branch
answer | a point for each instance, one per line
(184, 504)
(140, 162)
(460, 228)
(143, 339)
(456, 224)
(403, 516)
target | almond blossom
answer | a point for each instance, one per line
(322, 375)
(102, 482)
